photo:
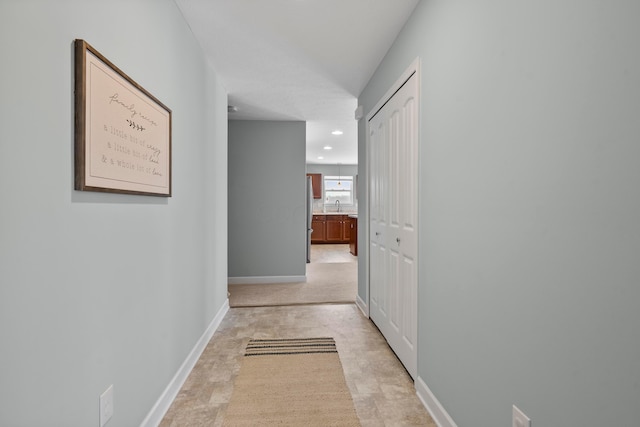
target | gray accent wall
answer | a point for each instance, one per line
(267, 190)
(529, 279)
(99, 289)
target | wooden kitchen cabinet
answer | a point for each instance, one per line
(346, 229)
(335, 229)
(318, 224)
(316, 183)
(330, 229)
(353, 238)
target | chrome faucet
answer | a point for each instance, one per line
(338, 205)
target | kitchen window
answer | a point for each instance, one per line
(338, 188)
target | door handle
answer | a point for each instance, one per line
(377, 233)
(398, 240)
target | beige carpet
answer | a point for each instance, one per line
(326, 283)
(297, 382)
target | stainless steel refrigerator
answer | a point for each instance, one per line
(309, 216)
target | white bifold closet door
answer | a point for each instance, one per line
(393, 222)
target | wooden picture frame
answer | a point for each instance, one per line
(122, 132)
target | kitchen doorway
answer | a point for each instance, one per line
(332, 278)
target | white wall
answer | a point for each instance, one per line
(99, 289)
(529, 207)
(267, 191)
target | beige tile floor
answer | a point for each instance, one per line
(383, 393)
(322, 253)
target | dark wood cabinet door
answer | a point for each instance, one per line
(319, 233)
(319, 226)
(353, 237)
(334, 230)
(316, 182)
(346, 229)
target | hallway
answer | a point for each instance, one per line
(383, 393)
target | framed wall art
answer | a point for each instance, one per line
(122, 132)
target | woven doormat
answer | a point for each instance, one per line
(291, 382)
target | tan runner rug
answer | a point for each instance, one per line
(291, 382)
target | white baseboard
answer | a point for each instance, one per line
(428, 399)
(364, 308)
(154, 417)
(260, 280)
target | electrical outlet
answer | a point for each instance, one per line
(519, 418)
(106, 405)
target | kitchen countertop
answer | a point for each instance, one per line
(336, 213)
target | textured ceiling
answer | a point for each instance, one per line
(302, 60)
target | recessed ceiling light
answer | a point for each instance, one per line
(327, 147)
(320, 158)
(337, 132)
